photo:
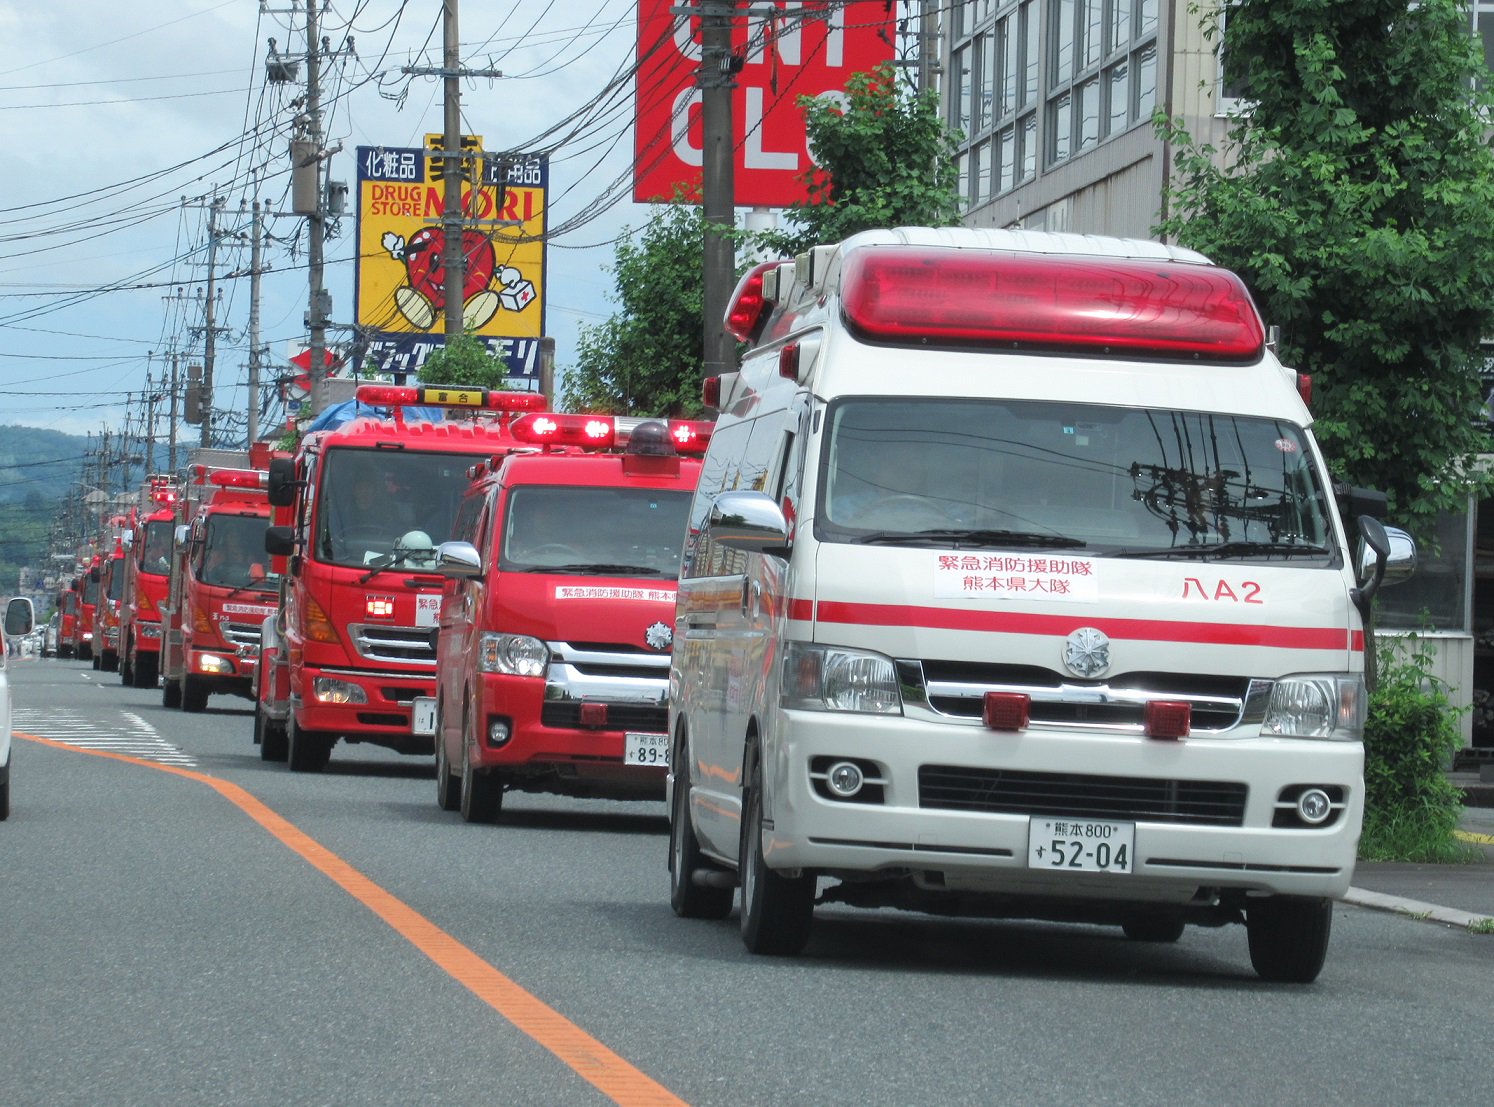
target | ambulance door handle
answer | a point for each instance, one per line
(751, 595)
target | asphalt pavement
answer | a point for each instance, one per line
(1454, 895)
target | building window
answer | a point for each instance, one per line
(1102, 58)
(993, 94)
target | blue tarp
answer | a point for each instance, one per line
(348, 410)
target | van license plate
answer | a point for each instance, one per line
(645, 749)
(1081, 845)
(423, 715)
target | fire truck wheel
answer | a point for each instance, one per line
(777, 910)
(126, 670)
(307, 751)
(171, 694)
(95, 660)
(194, 693)
(690, 900)
(448, 784)
(109, 662)
(146, 670)
(270, 737)
(482, 793)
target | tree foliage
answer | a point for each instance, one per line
(886, 159)
(464, 361)
(1356, 199)
(646, 358)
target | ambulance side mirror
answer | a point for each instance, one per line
(750, 521)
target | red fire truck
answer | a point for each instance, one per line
(557, 621)
(106, 610)
(358, 512)
(69, 605)
(146, 582)
(219, 591)
(87, 588)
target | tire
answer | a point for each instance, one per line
(109, 661)
(194, 694)
(126, 670)
(96, 660)
(482, 793)
(307, 751)
(776, 910)
(690, 900)
(171, 694)
(146, 670)
(1288, 937)
(1153, 926)
(5, 793)
(271, 738)
(448, 784)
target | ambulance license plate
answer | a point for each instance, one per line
(1081, 845)
(423, 715)
(645, 749)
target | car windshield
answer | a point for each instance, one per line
(388, 507)
(594, 531)
(1109, 481)
(155, 553)
(233, 552)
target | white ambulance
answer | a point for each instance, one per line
(1015, 585)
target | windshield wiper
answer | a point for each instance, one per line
(388, 561)
(964, 537)
(589, 568)
(1229, 549)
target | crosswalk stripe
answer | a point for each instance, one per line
(133, 735)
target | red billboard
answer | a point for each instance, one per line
(787, 50)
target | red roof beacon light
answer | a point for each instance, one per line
(239, 478)
(1125, 307)
(748, 309)
(691, 436)
(595, 432)
(1304, 388)
(710, 392)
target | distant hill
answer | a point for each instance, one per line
(33, 459)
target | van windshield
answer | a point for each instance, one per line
(596, 531)
(1119, 482)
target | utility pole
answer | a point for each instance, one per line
(171, 433)
(209, 344)
(716, 80)
(255, 235)
(317, 309)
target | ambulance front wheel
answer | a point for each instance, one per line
(777, 910)
(1288, 937)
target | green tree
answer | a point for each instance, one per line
(645, 359)
(1356, 199)
(886, 159)
(464, 360)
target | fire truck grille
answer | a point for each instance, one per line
(999, 791)
(397, 645)
(620, 716)
(241, 634)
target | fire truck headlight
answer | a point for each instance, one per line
(328, 690)
(211, 663)
(1317, 705)
(512, 654)
(826, 678)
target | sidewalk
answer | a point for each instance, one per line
(1455, 895)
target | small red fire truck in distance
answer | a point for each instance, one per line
(358, 512)
(146, 582)
(106, 611)
(69, 604)
(87, 586)
(219, 591)
(557, 620)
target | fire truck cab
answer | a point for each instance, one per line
(147, 580)
(87, 586)
(555, 628)
(359, 512)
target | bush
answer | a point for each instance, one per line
(463, 362)
(1410, 807)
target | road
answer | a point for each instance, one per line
(182, 923)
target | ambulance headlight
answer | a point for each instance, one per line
(829, 678)
(512, 654)
(1328, 706)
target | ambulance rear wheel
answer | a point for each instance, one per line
(777, 910)
(171, 694)
(690, 900)
(307, 751)
(194, 693)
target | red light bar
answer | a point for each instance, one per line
(691, 436)
(239, 478)
(1121, 306)
(747, 307)
(388, 395)
(1005, 710)
(1304, 388)
(592, 431)
(1167, 718)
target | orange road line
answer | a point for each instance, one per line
(583, 1054)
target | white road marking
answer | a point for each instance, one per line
(131, 735)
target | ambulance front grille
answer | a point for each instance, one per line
(1075, 795)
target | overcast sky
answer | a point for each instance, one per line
(113, 110)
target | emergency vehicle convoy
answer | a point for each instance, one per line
(219, 590)
(359, 510)
(553, 648)
(146, 583)
(1015, 587)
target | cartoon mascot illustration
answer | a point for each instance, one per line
(420, 300)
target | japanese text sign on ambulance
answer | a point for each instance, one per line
(804, 49)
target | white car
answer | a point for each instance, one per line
(19, 619)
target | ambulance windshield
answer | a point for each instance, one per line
(1118, 482)
(594, 531)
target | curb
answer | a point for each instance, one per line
(1415, 909)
